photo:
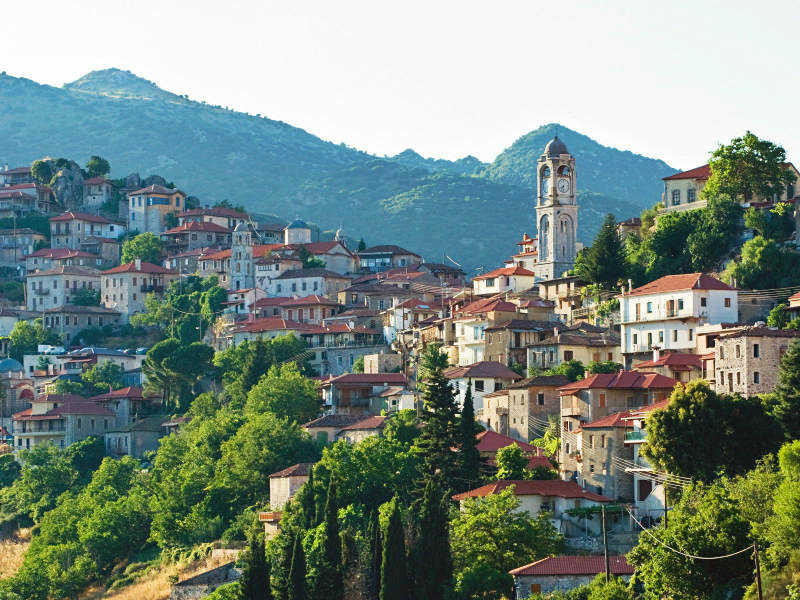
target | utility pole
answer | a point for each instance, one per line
(605, 541)
(665, 507)
(758, 571)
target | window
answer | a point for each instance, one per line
(691, 195)
(756, 351)
(727, 302)
(680, 304)
(674, 335)
(566, 447)
(676, 197)
(721, 352)
(568, 354)
(661, 336)
(490, 282)
(703, 301)
(479, 385)
(650, 338)
(602, 400)
(540, 399)
(738, 378)
(691, 334)
(738, 351)
(649, 307)
(635, 338)
(79, 422)
(756, 377)
(591, 468)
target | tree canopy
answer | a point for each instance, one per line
(146, 247)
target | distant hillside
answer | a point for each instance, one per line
(472, 211)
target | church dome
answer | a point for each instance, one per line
(297, 224)
(555, 147)
(9, 364)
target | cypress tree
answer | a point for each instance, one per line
(469, 457)
(786, 398)
(307, 502)
(374, 557)
(433, 564)
(604, 261)
(257, 364)
(329, 584)
(439, 433)
(255, 573)
(297, 588)
(280, 571)
(394, 574)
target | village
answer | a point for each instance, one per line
(563, 373)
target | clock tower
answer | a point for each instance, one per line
(556, 210)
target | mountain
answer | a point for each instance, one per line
(469, 210)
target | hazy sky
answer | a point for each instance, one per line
(666, 79)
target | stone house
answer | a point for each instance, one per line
(386, 362)
(469, 324)
(311, 309)
(746, 362)
(680, 366)
(564, 292)
(148, 208)
(308, 281)
(601, 444)
(69, 319)
(219, 215)
(326, 428)
(194, 235)
(284, 484)
(490, 442)
(374, 296)
(406, 314)
(53, 258)
(124, 288)
(135, 438)
(108, 249)
(55, 288)
(68, 230)
(508, 342)
(503, 280)
(387, 256)
(128, 404)
(359, 393)
(485, 377)
(536, 397)
(565, 573)
(96, 191)
(583, 342)
(17, 244)
(361, 430)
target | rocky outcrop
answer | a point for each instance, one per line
(66, 182)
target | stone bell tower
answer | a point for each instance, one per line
(556, 210)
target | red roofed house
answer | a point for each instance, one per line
(680, 366)
(192, 235)
(283, 485)
(15, 176)
(505, 279)
(126, 403)
(361, 430)
(309, 309)
(148, 207)
(564, 573)
(56, 287)
(465, 342)
(96, 191)
(406, 314)
(124, 288)
(69, 229)
(682, 191)
(60, 419)
(489, 442)
(387, 256)
(485, 377)
(524, 404)
(52, 258)
(589, 400)
(554, 496)
(225, 217)
(359, 393)
(666, 313)
(528, 255)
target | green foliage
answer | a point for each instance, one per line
(328, 581)
(362, 245)
(101, 378)
(764, 264)
(254, 583)
(146, 247)
(309, 260)
(228, 591)
(550, 441)
(26, 336)
(702, 433)
(41, 171)
(13, 291)
(769, 224)
(468, 455)
(785, 400)
(604, 261)
(491, 535)
(284, 392)
(298, 587)
(9, 470)
(571, 369)
(783, 529)
(705, 522)
(97, 165)
(430, 549)
(512, 463)
(358, 365)
(394, 572)
(86, 297)
(173, 369)
(402, 426)
(778, 316)
(606, 366)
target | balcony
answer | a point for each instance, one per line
(636, 436)
(41, 291)
(158, 289)
(43, 432)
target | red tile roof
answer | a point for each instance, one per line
(272, 301)
(485, 368)
(270, 324)
(376, 422)
(96, 180)
(672, 359)
(486, 305)
(314, 299)
(197, 226)
(298, 470)
(574, 565)
(795, 296)
(370, 378)
(416, 303)
(144, 267)
(538, 487)
(675, 283)
(159, 190)
(7, 194)
(613, 420)
(697, 173)
(60, 253)
(491, 441)
(623, 380)
(506, 271)
(75, 405)
(216, 211)
(132, 391)
(71, 216)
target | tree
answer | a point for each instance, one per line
(394, 574)
(97, 165)
(42, 172)
(512, 463)
(785, 401)
(493, 534)
(779, 316)
(284, 392)
(439, 433)
(571, 369)
(764, 264)
(432, 562)
(146, 247)
(361, 245)
(309, 260)
(358, 365)
(775, 224)
(86, 297)
(468, 455)
(9, 470)
(783, 527)
(374, 556)
(402, 426)
(255, 572)
(607, 366)
(746, 167)
(701, 433)
(298, 589)
(705, 522)
(26, 336)
(174, 369)
(329, 583)
(604, 261)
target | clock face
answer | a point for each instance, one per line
(563, 185)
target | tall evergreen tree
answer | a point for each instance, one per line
(307, 502)
(604, 261)
(257, 364)
(254, 583)
(433, 563)
(374, 557)
(329, 584)
(440, 431)
(468, 456)
(786, 398)
(298, 588)
(394, 573)
(283, 566)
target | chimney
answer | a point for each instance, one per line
(630, 285)
(656, 353)
(138, 264)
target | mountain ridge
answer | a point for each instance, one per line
(471, 210)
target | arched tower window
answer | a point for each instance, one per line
(563, 170)
(544, 183)
(544, 236)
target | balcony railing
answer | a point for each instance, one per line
(153, 288)
(37, 432)
(638, 435)
(41, 291)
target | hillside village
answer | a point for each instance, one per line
(141, 323)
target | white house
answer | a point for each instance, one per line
(302, 282)
(55, 287)
(505, 279)
(665, 313)
(486, 377)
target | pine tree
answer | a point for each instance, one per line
(297, 588)
(361, 245)
(439, 433)
(786, 398)
(433, 564)
(394, 573)
(329, 584)
(469, 457)
(254, 583)
(374, 557)
(604, 261)
(307, 502)
(281, 570)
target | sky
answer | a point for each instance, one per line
(670, 80)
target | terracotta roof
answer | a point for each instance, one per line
(58, 253)
(525, 325)
(624, 380)
(155, 189)
(507, 272)
(612, 420)
(69, 405)
(317, 247)
(313, 299)
(271, 301)
(132, 391)
(71, 216)
(298, 470)
(673, 359)
(387, 249)
(486, 305)
(491, 441)
(526, 239)
(575, 565)
(334, 421)
(96, 180)
(675, 283)
(485, 368)
(580, 338)
(702, 172)
(197, 226)
(376, 422)
(216, 211)
(270, 324)
(66, 270)
(795, 296)
(16, 194)
(496, 394)
(315, 272)
(373, 378)
(647, 409)
(144, 267)
(540, 381)
(537, 487)
(762, 332)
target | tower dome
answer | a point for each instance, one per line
(297, 224)
(555, 147)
